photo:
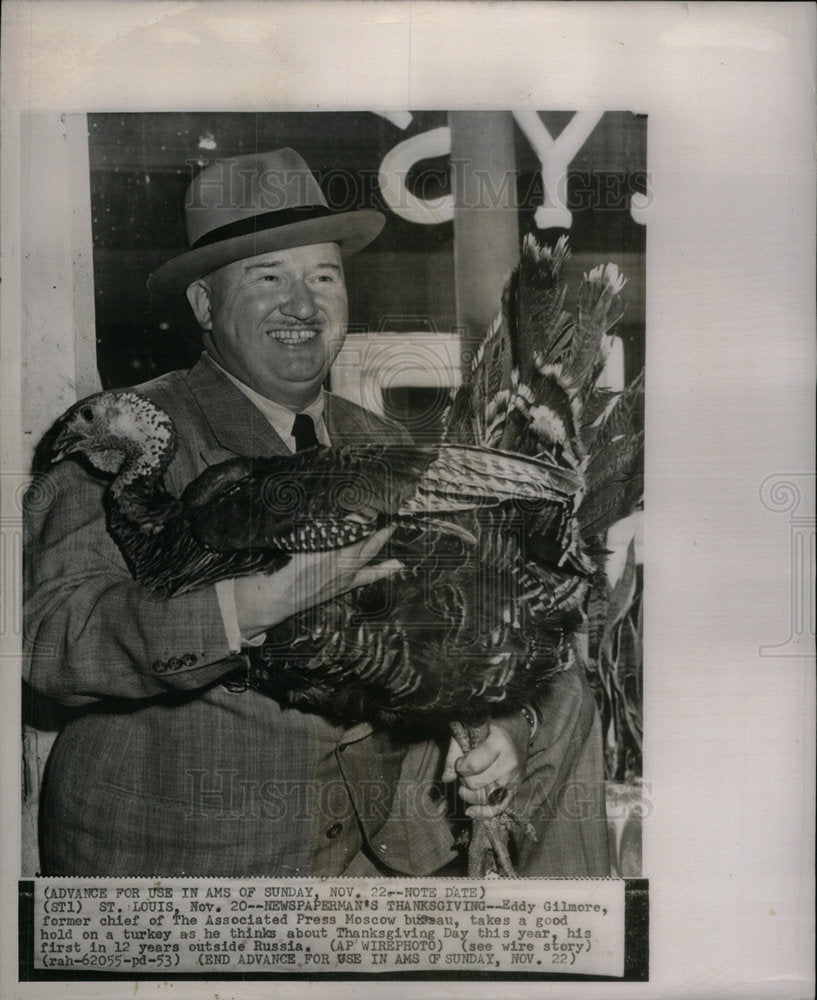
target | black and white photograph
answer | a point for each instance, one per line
(257, 653)
(374, 605)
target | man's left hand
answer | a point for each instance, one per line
(490, 772)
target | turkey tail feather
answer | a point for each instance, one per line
(534, 304)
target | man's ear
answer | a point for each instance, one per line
(198, 295)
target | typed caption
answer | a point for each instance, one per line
(330, 926)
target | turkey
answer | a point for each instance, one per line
(248, 515)
(500, 528)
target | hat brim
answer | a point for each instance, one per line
(351, 230)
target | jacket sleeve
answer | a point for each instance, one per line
(563, 793)
(568, 719)
(90, 631)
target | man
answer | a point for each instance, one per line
(175, 765)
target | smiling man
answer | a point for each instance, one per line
(276, 321)
(173, 764)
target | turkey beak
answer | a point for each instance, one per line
(66, 444)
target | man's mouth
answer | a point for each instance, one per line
(293, 335)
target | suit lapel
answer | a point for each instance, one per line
(239, 428)
(349, 424)
(234, 422)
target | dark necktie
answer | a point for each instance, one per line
(303, 430)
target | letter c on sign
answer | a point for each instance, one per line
(395, 168)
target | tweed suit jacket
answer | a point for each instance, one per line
(165, 770)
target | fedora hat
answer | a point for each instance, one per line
(247, 205)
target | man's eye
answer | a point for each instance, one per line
(270, 277)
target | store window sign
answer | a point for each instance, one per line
(554, 154)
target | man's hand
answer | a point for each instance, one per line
(265, 599)
(490, 772)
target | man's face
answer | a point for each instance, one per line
(278, 320)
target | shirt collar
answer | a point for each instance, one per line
(279, 417)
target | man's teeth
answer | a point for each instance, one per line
(293, 336)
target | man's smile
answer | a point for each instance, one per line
(293, 335)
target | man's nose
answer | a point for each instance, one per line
(300, 302)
